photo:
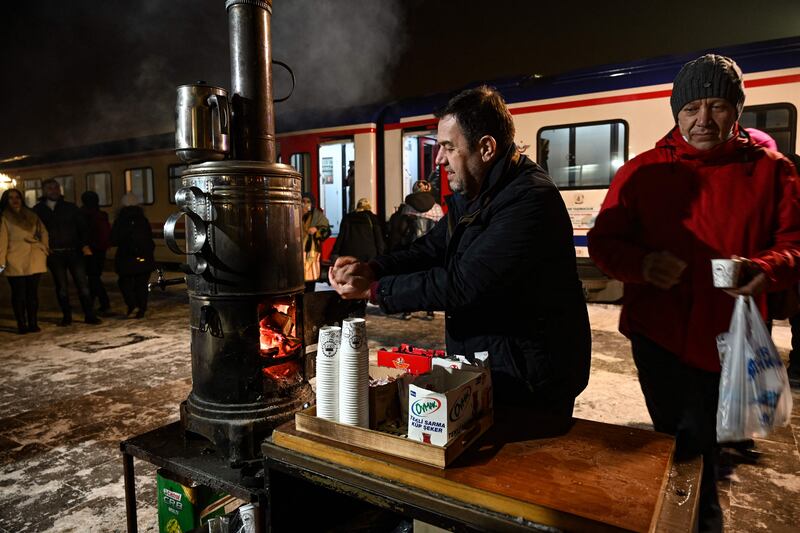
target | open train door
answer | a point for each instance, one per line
(419, 163)
(335, 158)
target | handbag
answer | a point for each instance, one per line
(311, 267)
(754, 392)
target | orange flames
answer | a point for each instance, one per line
(277, 332)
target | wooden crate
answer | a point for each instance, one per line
(438, 456)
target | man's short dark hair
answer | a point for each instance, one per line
(48, 181)
(481, 111)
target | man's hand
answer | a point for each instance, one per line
(756, 280)
(351, 278)
(662, 269)
(86, 250)
(312, 230)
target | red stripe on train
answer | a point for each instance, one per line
(327, 133)
(665, 93)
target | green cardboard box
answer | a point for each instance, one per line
(184, 505)
(178, 510)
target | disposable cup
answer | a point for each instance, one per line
(726, 273)
(328, 340)
(328, 372)
(354, 333)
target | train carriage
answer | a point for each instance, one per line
(584, 125)
(581, 126)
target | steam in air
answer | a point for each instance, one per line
(116, 78)
(342, 53)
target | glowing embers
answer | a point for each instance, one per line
(282, 377)
(278, 329)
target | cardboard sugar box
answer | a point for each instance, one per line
(384, 397)
(442, 402)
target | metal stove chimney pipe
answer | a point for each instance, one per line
(249, 24)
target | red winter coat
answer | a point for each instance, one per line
(733, 199)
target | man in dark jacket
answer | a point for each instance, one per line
(99, 240)
(414, 218)
(501, 265)
(69, 242)
(360, 234)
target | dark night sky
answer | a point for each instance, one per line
(77, 72)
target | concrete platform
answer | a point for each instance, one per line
(68, 396)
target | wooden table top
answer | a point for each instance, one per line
(596, 477)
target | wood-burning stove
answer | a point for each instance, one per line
(252, 328)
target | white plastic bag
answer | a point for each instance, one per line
(754, 393)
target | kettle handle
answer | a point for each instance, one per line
(183, 198)
(199, 240)
(291, 73)
(220, 121)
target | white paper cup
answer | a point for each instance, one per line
(726, 273)
(328, 372)
(354, 333)
(328, 340)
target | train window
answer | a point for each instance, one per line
(334, 191)
(777, 120)
(100, 182)
(302, 163)
(33, 191)
(67, 187)
(583, 156)
(139, 181)
(174, 173)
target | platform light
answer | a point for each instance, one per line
(7, 182)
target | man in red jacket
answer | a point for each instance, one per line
(705, 191)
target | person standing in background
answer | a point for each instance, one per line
(416, 216)
(69, 242)
(360, 234)
(99, 241)
(794, 318)
(350, 182)
(316, 229)
(134, 260)
(23, 258)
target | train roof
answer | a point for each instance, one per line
(150, 143)
(309, 119)
(753, 57)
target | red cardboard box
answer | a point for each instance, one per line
(406, 357)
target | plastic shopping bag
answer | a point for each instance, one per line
(754, 393)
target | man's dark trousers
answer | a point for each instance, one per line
(94, 271)
(59, 262)
(682, 401)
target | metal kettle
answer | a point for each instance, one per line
(202, 123)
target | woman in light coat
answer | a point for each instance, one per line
(316, 229)
(23, 257)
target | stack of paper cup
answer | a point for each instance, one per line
(354, 374)
(328, 372)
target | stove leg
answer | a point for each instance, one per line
(130, 492)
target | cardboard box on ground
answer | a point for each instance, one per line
(184, 506)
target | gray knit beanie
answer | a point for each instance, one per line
(709, 76)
